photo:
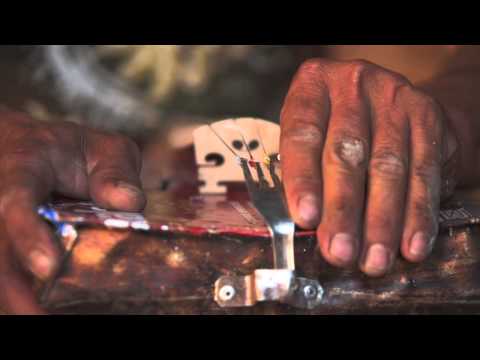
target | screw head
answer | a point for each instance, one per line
(226, 293)
(310, 292)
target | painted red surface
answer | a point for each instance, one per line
(179, 212)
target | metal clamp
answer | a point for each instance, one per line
(264, 285)
(279, 284)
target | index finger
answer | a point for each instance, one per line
(304, 123)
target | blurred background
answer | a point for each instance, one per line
(94, 84)
(158, 93)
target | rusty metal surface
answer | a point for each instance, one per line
(130, 272)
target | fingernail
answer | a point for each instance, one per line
(420, 245)
(378, 259)
(308, 210)
(41, 264)
(342, 247)
(129, 188)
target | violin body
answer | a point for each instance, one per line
(173, 271)
(167, 260)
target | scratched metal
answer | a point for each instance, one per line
(125, 272)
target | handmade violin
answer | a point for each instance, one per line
(201, 226)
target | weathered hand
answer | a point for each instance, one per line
(362, 153)
(36, 160)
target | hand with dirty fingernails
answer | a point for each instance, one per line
(39, 159)
(363, 152)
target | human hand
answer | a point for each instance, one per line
(362, 154)
(37, 160)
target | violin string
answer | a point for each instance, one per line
(261, 140)
(223, 141)
(243, 139)
(240, 132)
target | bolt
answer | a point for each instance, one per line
(310, 292)
(227, 293)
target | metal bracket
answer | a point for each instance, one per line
(279, 285)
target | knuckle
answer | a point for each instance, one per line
(359, 65)
(357, 69)
(427, 172)
(387, 164)
(419, 99)
(361, 72)
(303, 133)
(391, 88)
(312, 66)
(350, 151)
(395, 78)
(309, 78)
(395, 93)
(426, 100)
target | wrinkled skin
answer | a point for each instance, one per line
(38, 159)
(362, 152)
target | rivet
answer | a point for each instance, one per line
(310, 292)
(227, 293)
